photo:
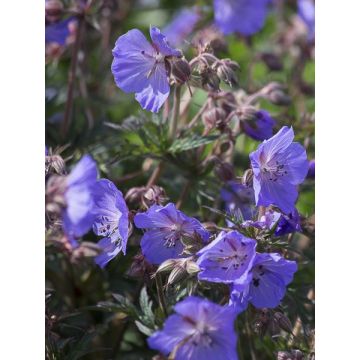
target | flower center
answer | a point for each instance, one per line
(258, 272)
(273, 170)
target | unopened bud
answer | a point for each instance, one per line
(54, 164)
(140, 267)
(209, 79)
(166, 266)
(283, 321)
(154, 195)
(272, 61)
(214, 117)
(135, 194)
(224, 171)
(53, 10)
(180, 70)
(226, 71)
(274, 92)
(247, 113)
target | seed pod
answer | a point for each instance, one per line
(180, 70)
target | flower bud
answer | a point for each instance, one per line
(209, 79)
(247, 113)
(135, 194)
(226, 71)
(274, 92)
(272, 61)
(53, 10)
(140, 268)
(166, 266)
(214, 117)
(54, 164)
(283, 321)
(224, 171)
(154, 195)
(180, 70)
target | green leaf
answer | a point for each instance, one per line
(192, 142)
(146, 306)
(143, 329)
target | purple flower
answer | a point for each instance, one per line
(77, 215)
(311, 172)
(306, 11)
(165, 227)
(265, 285)
(60, 32)
(226, 259)
(239, 200)
(242, 16)
(139, 67)
(182, 25)
(288, 224)
(285, 224)
(279, 165)
(199, 329)
(260, 128)
(111, 220)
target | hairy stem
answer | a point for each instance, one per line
(184, 194)
(175, 113)
(71, 80)
(156, 174)
(160, 294)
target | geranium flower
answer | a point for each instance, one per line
(111, 220)
(239, 200)
(139, 67)
(306, 11)
(242, 16)
(199, 329)
(165, 227)
(285, 224)
(61, 32)
(265, 285)
(261, 128)
(228, 258)
(279, 165)
(78, 213)
(182, 25)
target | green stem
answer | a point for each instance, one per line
(175, 112)
(160, 294)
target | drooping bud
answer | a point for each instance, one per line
(272, 61)
(247, 113)
(54, 194)
(53, 10)
(54, 164)
(226, 71)
(140, 268)
(135, 194)
(275, 93)
(180, 70)
(154, 195)
(224, 171)
(209, 79)
(283, 321)
(214, 117)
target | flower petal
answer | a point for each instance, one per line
(161, 43)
